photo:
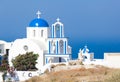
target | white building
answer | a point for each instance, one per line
(4, 47)
(49, 42)
(112, 59)
(84, 55)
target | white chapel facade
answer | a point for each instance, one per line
(49, 42)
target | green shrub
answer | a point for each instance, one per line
(25, 62)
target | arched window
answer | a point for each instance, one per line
(57, 30)
(61, 46)
(41, 33)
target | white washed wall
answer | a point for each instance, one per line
(112, 59)
(23, 75)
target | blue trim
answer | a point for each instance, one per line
(61, 31)
(53, 31)
(1, 57)
(46, 60)
(65, 47)
(57, 47)
(49, 47)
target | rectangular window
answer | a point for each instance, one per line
(34, 33)
(41, 33)
(0, 50)
(7, 51)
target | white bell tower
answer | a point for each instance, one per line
(57, 29)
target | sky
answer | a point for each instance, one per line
(95, 23)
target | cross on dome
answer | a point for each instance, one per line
(38, 14)
(58, 19)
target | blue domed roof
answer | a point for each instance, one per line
(38, 22)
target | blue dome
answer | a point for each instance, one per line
(38, 22)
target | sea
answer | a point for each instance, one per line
(96, 47)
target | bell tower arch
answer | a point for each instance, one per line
(57, 29)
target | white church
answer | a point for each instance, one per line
(47, 41)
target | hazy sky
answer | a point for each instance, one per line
(95, 21)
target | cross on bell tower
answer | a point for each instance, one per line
(58, 19)
(38, 14)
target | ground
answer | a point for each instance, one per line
(78, 73)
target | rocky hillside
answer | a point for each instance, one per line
(79, 73)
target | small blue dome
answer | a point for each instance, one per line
(38, 22)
